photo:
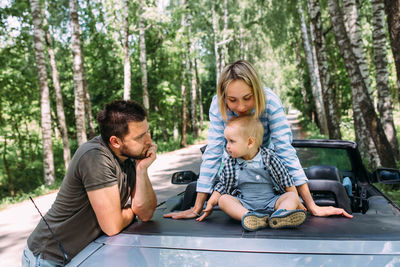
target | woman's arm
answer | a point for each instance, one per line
(281, 138)
(211, 161)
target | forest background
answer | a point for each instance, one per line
(336, 62)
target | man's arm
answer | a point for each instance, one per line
(107, 207)
(143, 198)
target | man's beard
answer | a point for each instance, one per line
(125, 153)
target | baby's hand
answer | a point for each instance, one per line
(206, 212)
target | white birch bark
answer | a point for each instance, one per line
(39, 41)
(329, 99)
(143, 60)
(313, 72)
(78, 74)
(193, 94)
(127, 62)
(184, 79)
(59, 99)
(382, 75)
(392, 9)
(215, 31)
(353, 29)
(224, 50)
(373, 132)
(200, 101)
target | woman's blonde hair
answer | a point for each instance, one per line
(248, 126)
(240, 70)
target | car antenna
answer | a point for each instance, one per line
(60, 246)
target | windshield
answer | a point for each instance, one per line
(310, 156)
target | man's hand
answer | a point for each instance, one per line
(328, 211)
(190, 213)
(186, 214)
(143, 164)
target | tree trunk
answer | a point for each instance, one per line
(353, 29)
(143, 61)
(7, 167)
(193, 94)
(328, 92)
(382, 74)
(127, 62)
(78, 74)
(215, 31)
(392, 9)
(313, 73)
(200, 94)
(88, 102)
(367, 112)
(48, 162)
(183, 86)
(59, 99)
(224, 52)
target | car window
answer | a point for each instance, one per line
(310, 156)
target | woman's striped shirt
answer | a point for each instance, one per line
(277, 136)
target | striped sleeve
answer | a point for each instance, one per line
(277, 126)
(213, 155)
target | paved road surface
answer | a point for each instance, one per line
(18, 221)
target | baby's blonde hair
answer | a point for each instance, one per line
(248, 127)
(241, 70)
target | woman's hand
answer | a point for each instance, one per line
(328, 211)
(186, 214)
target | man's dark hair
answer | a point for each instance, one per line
(114, 118)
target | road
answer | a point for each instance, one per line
(19, 220)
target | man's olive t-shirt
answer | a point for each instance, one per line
(71, 217)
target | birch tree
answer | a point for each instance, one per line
(382, 75)
(39, 42)
(329, 95)
(224, 50)
(59, 99)
(313, 73)
(370, 126)
(143, 60)
(200, 101)
(353, 28)
(216, 33)
(78, 74)
(184, 76)
(392, 9)
(127, 61)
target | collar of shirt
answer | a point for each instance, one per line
(256, 162)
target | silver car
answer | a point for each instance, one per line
(337, 177)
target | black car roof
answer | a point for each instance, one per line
(324, 143)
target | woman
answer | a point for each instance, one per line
(239, 92)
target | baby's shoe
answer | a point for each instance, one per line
(253, 221)
(287, 218)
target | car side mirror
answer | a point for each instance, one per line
(184, 177)
(387, 176)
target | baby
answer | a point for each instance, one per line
(254, 186)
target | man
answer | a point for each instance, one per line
(102, 175)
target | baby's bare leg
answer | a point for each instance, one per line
(231, 206)
(288, 201)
